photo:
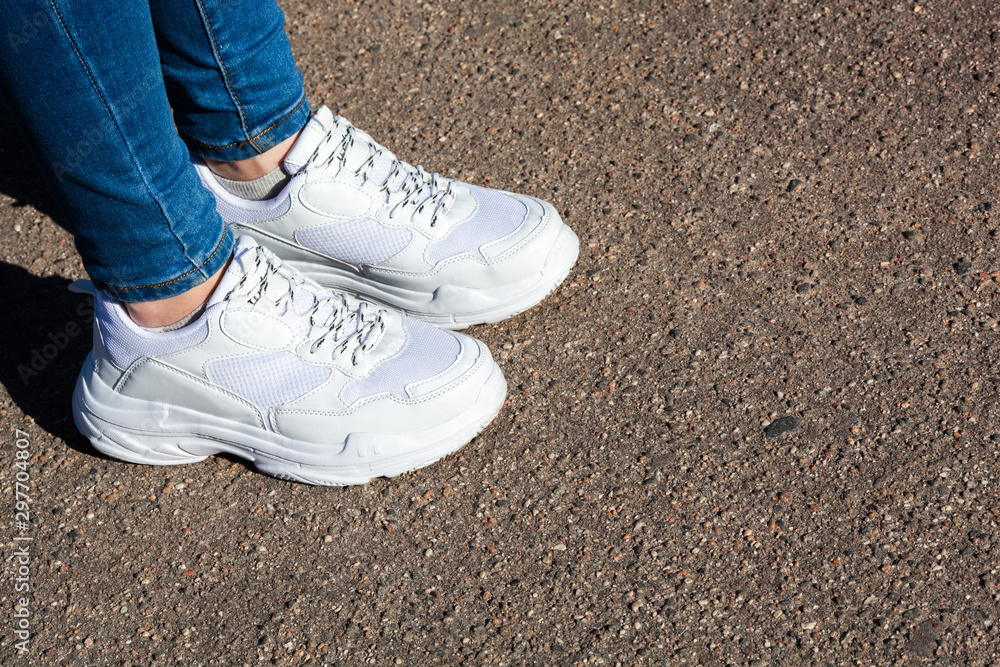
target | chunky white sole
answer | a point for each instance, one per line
(451, 306)
(153, 433)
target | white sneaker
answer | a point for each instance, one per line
(309, 384)
(356, 218)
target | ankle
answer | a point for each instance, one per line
(256, 166)
(165, 312)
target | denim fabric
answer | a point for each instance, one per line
(84, 81)
(230, 75)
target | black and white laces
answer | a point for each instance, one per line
(418, 188)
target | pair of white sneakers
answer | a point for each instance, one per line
(289, 366)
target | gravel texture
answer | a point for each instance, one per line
(788, 216)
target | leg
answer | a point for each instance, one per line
(84, 82)
(307, 383)
(448, 252)
(231, 78)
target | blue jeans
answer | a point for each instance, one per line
(113, 94)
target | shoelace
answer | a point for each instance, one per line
(335, 325)
(419, 187)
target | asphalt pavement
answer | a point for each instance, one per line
(757, 425)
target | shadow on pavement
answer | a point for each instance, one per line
(46, 336)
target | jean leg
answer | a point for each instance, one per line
(230, 75)
(82, 79)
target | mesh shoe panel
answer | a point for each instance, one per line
(381, 169)
(302, 301)
(358, 241)
(428, 352)
(269, 379)
(497, 216)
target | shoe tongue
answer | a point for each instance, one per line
(243, 257)
(244, 261)
(321, 123)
